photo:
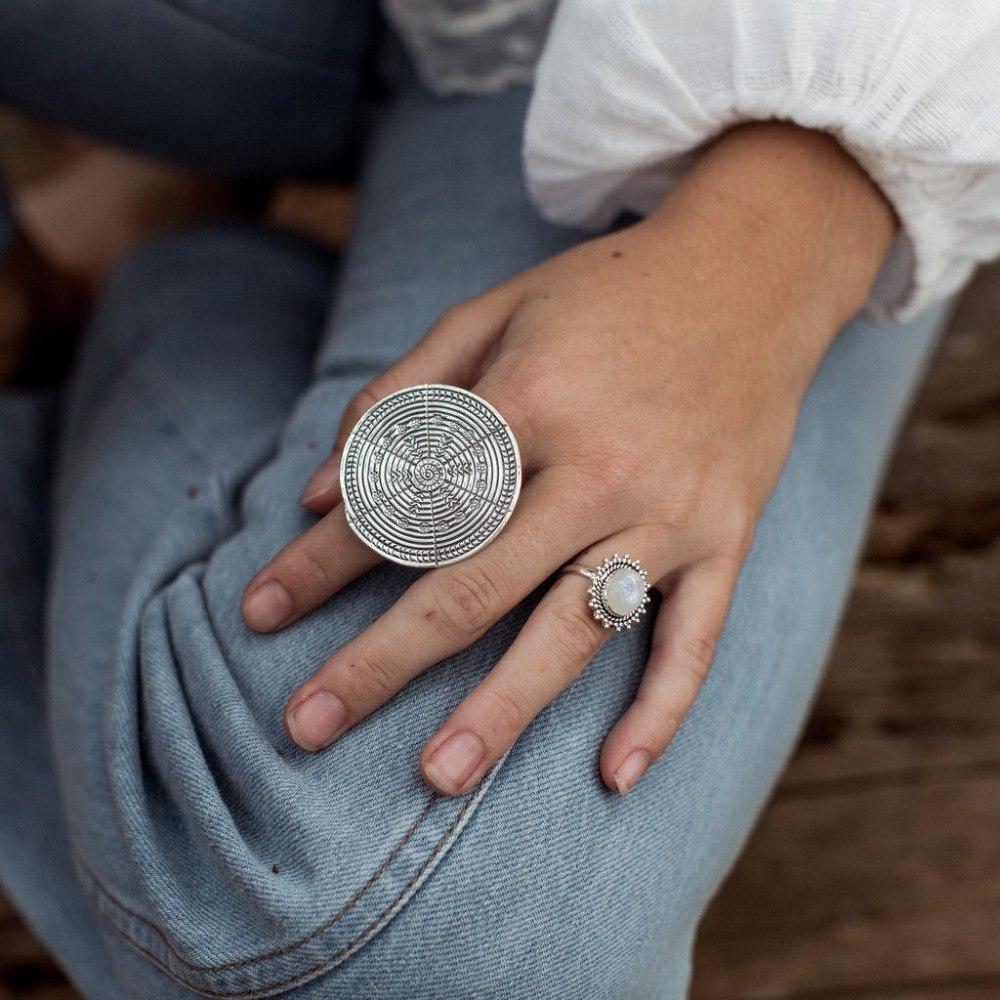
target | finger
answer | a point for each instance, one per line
(684, 639)
(451, 352)
(305, 573)
(557, 642)
(443, 612)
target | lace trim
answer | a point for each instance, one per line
(472, 46)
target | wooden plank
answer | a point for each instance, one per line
(839, 894)
(907, 698)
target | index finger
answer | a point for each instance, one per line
(450, 351)
(305, 573)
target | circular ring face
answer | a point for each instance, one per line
(619, 592)
(429, 475)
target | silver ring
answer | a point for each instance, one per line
(619, 590)
(430, 474)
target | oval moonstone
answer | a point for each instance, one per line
(623, 592)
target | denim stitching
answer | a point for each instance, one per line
(285, 949)
(311, 972)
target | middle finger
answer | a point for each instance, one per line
(443, 612)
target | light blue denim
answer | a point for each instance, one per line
(221, 860)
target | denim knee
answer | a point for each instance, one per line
(232, 862)
(237, 864)
(256, 868)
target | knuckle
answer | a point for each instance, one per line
(543, 391)
(454, 318)
(614, 471)
(701, 650)
(305, 562)
(380, 386)
(468, 599)
(364, 398)
(736, 532)
(530, 401)
(577, 632)
(666, 715)
(371, 675)
(670, 719)
(510, 711)
(697, 654)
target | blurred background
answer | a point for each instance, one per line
(874, 872)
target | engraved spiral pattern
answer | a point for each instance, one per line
(430, 475)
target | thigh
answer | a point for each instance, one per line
(241, 87)
(232, 864)
(196, 355)
(235, 862)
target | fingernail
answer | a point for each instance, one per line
(324, 480)
(268, 606)
(317, 720)
(453, 763)
(630, 770)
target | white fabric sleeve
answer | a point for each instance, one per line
(628, 90)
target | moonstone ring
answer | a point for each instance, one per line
(619, 590)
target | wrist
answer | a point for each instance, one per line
(784, 222)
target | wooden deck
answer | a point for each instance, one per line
(875, 870)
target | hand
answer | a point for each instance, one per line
(652, 378)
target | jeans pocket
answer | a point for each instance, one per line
(241, 865)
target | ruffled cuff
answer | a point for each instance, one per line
(628, 91)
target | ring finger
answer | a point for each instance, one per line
(557, 642)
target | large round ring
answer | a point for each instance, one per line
(619, 590)
(429, 475)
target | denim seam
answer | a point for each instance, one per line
(99, 891)
(286, 949)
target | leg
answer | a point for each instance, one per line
(233, 316)
(35, 866)
(236, 87)
(229, 863)
(139, 415)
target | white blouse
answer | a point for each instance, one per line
(627, 91)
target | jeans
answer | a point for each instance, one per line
(242, 87)
(158, 828)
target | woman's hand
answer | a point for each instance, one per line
(652, 378)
